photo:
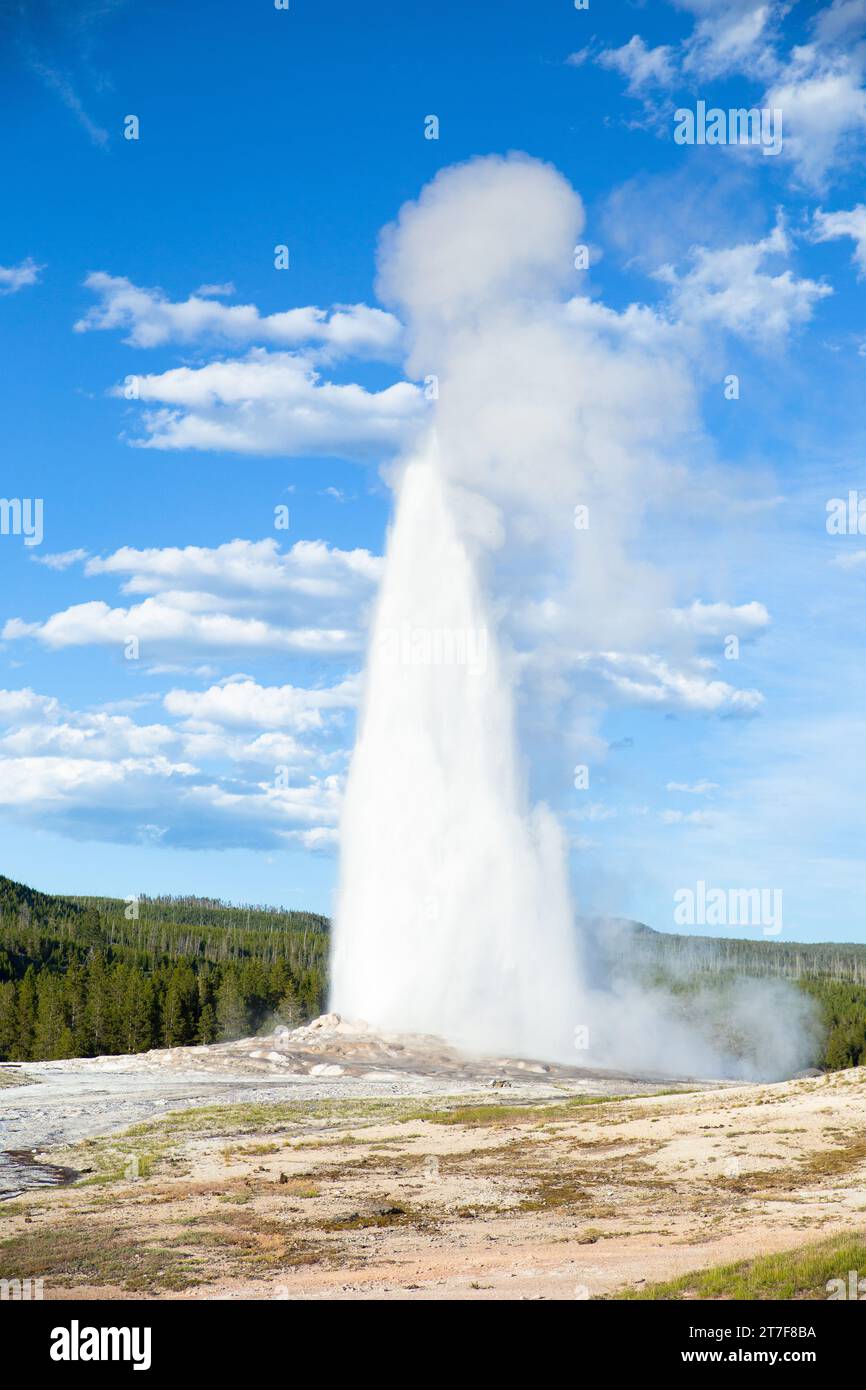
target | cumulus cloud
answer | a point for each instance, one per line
(239, 596)
(158, 623)
(15, 277)
(19, 704)
(639, 64)
(733, 288)
(271, 400)
(150, 319)
(530, 371)
(829, 226)
(821, 95)
(738, 36)
(245, 703)
(649, 680)
(273, 403)
(817, 85)
(39, 783)
(191, 783)
(311, 569)
(719, 619)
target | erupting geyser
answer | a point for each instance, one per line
(454, 914)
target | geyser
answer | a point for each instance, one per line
(453, 916)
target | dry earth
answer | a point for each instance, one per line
(415, 1173)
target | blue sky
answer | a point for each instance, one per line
(213, 762)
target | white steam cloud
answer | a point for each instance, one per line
(454, 915)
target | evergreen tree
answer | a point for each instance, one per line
(51, 1033)
(232, 1012)
(26, 1015)
(8, 1021)
(208, 1028)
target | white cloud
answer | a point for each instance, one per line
(308, 813)
(823, 103)
(102, 775)
(705, 818)
(693, 788)
(843, 20)
(640, 65)
(15, 277)
(274, 403)
(732, 288)
(167, 621)
(90, 736)
(244, 703)
(239, 596)
(39, 782)
(310, 586)
(651, 681)
(19, 704)
(151, 319)
(225, 290)
(310, 568)
(817, 85)
(737, 36)
(719, 619)
(829, 226)
(62, 560)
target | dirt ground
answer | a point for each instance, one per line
(497, 1196)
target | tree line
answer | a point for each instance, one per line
(89, 976)
(86, 976)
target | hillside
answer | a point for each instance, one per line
(84, 975)
(81, 976)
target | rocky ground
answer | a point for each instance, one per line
(328, 1059)
(332, 1164)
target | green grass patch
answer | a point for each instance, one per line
(115, 1165)
(475, 1116)
(73, 1255)
(792, 1274)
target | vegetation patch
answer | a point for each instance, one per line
(376, 1217)
(475, 1116)
(794, 1274)
(72, 1255)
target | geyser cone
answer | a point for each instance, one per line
(453, 914)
